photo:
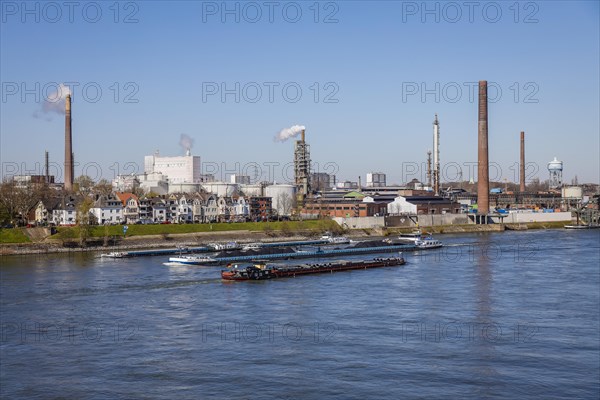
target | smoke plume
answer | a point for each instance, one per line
(54, 102)
(186, 142)
(287, 133)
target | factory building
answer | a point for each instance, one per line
(322, 181)
(179, 169)
(376, 179)
(239, 179)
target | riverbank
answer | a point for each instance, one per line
(172, 240)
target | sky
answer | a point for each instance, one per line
(365, 78)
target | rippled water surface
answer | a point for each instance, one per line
(506, 315)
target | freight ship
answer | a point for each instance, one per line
(259, 272)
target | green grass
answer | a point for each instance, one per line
(14, 235)
(162, 229)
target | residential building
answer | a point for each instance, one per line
(210, 209)
(65, 212)
(131, 207)
(260, 208)
(107, 210)
(41, 213)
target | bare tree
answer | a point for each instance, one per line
(84, 220)
(84, 184)
(285, 204)
(103, 187)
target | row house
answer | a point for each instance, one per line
(127, 208)
(210, 209)
(260, 208)
(107, 210)
(184, 210)
(131, 207)
(65, 213)
(41, 213)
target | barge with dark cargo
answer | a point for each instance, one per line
(257, 272)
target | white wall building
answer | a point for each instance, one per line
(125, 183)
(179, 169)
(401, 206)
(240, 179)
(375, 179)
(107, 210)
(154, 182)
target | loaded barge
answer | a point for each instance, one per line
(259, 272)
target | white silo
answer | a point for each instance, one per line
(220, 188)
(283, 198)
(255, 189)
(555, 168)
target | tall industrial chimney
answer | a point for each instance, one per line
(47, 165)
(303, 135)
(68, 146)
(522, 165)
(436, 156)
(483, 184)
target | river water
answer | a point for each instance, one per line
(495, 315)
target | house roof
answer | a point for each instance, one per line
(124, 197)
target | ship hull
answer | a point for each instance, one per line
(255, 274)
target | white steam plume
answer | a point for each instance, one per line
(54, 102)
(287, 133)
(186, 142)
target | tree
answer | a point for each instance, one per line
(103, 188)
(9, 197)
(84, 184)
(84, 220)
(15, 201)
(285, 204)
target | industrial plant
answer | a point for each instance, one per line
(174, 189)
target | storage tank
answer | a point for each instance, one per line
(572, 192)
(220, 188)
(183, 188)
(283, 198)
(555, 165)
(252, 190)
(555, 168)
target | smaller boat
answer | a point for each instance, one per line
(193, 260)
(582, 226)
(335, 239)
(411, 237)
(224, 246)
(428, 243)
(114, 254)
(252, 246)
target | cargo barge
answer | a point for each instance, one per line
(259, 272)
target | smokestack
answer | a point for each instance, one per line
(68, 146)
(47, 165)
(303, 135)
(522, 166)
(436, 156)
(483, 184)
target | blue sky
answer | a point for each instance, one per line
(545, 61)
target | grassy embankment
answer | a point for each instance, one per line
(286, 227)
(14, 235)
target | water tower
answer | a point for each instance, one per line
(555, 169)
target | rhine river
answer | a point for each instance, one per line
(511, 315)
